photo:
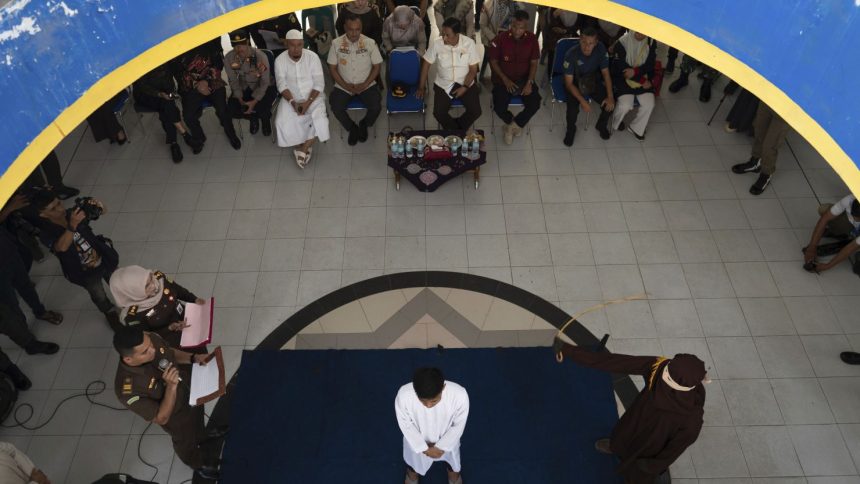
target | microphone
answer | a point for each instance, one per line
(163, 364)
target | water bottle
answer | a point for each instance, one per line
(409, 150)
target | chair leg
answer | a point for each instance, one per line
(551, 115)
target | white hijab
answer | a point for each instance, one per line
(128, 286)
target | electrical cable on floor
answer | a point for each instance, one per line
(88, 393)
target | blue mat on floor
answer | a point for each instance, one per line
(327, 417)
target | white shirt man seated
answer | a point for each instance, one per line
(432, 414)
(457, 60)
(354, 62)
(301, 116)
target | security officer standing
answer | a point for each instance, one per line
(250, 77)
(161, 396)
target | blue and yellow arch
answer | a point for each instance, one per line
(60, 59)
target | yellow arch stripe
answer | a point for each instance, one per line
(652, 26)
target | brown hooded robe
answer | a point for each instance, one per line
(662, 422)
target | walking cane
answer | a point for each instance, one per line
(718, 108)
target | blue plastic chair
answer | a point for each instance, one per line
(404, 67)
(556, 84)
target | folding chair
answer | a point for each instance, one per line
(558, 93)
(404, 67)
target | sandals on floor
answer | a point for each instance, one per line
(301, 158)
(52, 317)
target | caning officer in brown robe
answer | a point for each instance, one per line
(666, 416)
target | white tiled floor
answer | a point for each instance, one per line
(602, 220)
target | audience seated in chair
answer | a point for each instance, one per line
(456, 73)
(633, 71)
(354, 63)
(301, 116)
(586, 78)
(156, 91)
(514, 56)
(250, 77)
(403, 28)
(198, 73)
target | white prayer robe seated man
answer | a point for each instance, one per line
(301, 116)
(431, 413)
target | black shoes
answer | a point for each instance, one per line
(705, 91)
(18, 377)
(234, 141)
(603, 130)
(362, 131)
(763, 181)
(638, 137)
(267, 127)
(850, 357)
(569, 136)
(255, 126)
(352, 140)
(195, 144)
(176, 152)
(209, 473)
(680, 82)
(753, 165)
(37, 347)
(63, 192)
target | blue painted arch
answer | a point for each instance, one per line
(61, 59)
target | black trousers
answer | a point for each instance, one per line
(263, 109)
(339, 99)
(13, 323)
(442, 108)
(93, 285)
(103, 122)
(502, 98)
(192, 109)
(573, 110)
(186, 430)
(168, 113)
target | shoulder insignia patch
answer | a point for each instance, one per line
(566, 64)
(126, 386)
(132, 400)
(161, 350)
(132, 310)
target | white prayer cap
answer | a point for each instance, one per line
(294, 35)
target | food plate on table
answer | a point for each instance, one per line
(416, 140)
(454, 141)
(436, 142)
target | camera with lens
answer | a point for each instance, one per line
(90, 206)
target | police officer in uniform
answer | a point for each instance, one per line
(161, 396)
(251, 83)
(153, 301)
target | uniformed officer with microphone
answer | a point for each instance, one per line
(152, 381)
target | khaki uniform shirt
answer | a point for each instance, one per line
(258, 77)
(354, 60)
(141, 389)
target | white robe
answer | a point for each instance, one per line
(300, 78)
(441, 425)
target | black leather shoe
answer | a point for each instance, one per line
(18, 378)
(850, 357)
(209, 473)
(679, 83)
(267, 127)
(195, 144)
(176, 152)
(352, 140)
(255, 126)
(569, 136)
(362, 131)
(41, 348)
(758, 187)
(235, 142)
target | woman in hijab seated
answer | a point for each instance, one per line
(151, 299)
(461, 10)
(371, 22)
(666, 416)
(403, 28)
(633, 71)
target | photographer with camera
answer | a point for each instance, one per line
(86, 258)
(840, 221)
(156, 91)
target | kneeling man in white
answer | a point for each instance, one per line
(432, 415)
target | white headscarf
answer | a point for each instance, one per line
(128, 286)
(568, 18)
(637, 50)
